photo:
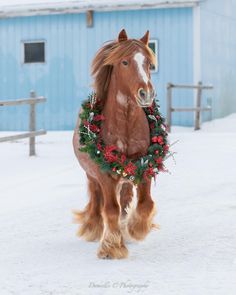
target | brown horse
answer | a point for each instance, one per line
(121, 71)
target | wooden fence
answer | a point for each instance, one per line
(197, 109)
(32, 101)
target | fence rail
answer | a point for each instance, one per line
(23, 135)
(199, 86)
(32, 101)
(22, 101)
(197, 109)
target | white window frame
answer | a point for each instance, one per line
(155, 41)
(23, 42)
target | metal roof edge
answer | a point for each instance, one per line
(72, 8)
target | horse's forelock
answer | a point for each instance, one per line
(110, 54)
(126, 48)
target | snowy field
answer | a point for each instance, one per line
(194, 252)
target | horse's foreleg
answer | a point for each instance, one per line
(140, 222)
(126, 196)
(91, 219)
(112, 244)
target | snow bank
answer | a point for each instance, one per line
(226, 125)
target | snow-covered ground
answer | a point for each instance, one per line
(194, 252)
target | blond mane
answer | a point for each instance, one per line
(110, 54)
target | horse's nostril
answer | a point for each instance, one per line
(142, 93)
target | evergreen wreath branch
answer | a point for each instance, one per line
(109, 158)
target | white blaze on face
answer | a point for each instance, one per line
(139, 58)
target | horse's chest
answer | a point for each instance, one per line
(129, 134)
(133, 146)
(137, 147)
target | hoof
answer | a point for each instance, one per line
(112, 253)
(139, 227)
(112, 247)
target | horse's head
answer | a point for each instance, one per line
(132, 68)
(130, 61)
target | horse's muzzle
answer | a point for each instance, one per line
(145, 98)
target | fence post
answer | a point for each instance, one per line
(198, 106)
(32, 123)
(169, 106)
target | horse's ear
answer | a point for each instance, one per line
(122, 36)
(145, 38)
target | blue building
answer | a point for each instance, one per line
(48, 47)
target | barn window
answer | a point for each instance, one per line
(153, 45)
(34, 52)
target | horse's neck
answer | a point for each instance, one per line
(126, 125)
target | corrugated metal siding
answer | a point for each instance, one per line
(218, 62)
(70, 46)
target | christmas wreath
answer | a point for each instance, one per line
(109, 158)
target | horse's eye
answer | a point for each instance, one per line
(125, 63)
